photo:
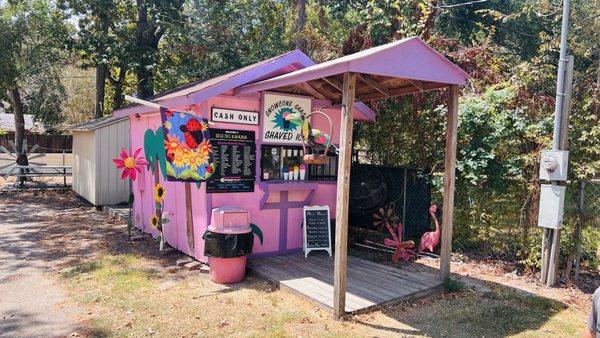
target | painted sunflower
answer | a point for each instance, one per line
(155, 223)
(167, 125)
(194, 161)
(204, 126)
(178, 158)
(159, 193)
(172, 144)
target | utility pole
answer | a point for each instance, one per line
(553, 164)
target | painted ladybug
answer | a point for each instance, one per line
(192, 132)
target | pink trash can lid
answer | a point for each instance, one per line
(219, 224)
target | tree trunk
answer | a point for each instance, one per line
(117, 84)
(147, 47)
(17, 104)
(300, 23)
(101, 71)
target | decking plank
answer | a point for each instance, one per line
(308, 267)
(375, 283)
(369, 284)
(323, 288)
(314, 289)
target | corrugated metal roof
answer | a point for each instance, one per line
(410, 59)
(97, 123)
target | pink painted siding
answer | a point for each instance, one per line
(267, 219)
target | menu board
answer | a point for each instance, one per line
(317, 229)
(234, 155)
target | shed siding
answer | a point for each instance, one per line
(84, 165)
(111, 189)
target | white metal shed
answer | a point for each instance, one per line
(95, 144)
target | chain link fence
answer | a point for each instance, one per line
(501, 226)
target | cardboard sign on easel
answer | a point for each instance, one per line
(316, 229)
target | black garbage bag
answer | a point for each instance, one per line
(227, 246)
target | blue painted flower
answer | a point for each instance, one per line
(281, 122)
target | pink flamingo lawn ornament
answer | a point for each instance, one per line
(431, 239)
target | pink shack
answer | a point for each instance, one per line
(271, 150)
(257, 153)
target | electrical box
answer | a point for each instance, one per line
(554, 165)
(552, 202)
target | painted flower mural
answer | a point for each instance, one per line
(187, 147)
(130, 163)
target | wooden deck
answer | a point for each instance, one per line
(368, 283)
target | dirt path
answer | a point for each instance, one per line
(32, 303)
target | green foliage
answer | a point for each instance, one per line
(452, 285)
(33, 44)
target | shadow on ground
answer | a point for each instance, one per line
(63, 233)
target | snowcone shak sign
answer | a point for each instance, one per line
(276, 129)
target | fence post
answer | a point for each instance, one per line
(581, 212)
(64, 170)
(404, 205)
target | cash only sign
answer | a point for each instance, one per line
(275, 128)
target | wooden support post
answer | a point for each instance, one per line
(546, 236)
(189, 216)
(343, 191)
(449, 171)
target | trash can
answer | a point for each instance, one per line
(227, 242)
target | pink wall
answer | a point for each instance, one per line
(267, 219)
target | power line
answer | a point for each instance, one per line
(462, 4)
(495, 26)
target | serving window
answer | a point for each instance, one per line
(285, 163)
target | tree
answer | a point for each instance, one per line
(32, 46)
(104, 42)
(153, 19)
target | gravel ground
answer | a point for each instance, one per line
(32, 304)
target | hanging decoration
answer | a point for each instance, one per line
(187, 147)
(318, 141)
(132, 165)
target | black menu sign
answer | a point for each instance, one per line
(234, 155)
(317, 229)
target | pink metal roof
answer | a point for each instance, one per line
(200, 91)
(410, 59)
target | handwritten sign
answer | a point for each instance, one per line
(276, 129)
(234, 116)
(316, 229)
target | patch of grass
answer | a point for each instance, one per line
(502, 312)
(126, 300)
(276, 324)
(451, 285)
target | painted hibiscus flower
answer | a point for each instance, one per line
(131, 164)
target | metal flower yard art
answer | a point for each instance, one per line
(131, 164)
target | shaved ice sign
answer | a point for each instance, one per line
(275, 128)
